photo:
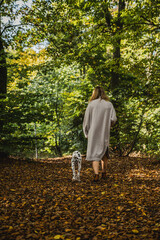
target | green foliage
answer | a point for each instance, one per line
(55, 102)
(87, 43)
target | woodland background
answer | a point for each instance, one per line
(52, 55)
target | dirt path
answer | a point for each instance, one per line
(38, 200)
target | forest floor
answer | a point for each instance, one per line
(38, 200)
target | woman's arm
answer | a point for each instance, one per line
(86, 122)
(113, 116)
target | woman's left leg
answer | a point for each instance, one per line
(95, 165)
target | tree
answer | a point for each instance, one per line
(44, 97)
(8, 13)
(113, 43)
(97, 35)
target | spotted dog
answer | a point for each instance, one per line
(76, 159)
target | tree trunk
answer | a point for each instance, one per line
(3, 70)
(3, 83)
(116, 47)
(115, 70)
(3, 89)
(115, 77)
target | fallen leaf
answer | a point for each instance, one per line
(59, 237)
(135, 231)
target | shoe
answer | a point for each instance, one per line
(104, 177)
(96, 178)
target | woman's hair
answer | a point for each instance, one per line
(99, 92)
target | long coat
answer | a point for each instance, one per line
(96, 127)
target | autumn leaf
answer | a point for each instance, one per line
(135, 231)
(58, 237)
(61, 209)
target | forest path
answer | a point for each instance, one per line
(38, 200)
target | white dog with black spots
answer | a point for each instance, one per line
(76, 160)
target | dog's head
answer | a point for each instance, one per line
(76, 155)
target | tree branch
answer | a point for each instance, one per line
(18, 25)
(136, 135)
(149, 22)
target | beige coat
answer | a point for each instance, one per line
(96, 127)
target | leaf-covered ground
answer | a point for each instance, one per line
(38, 200)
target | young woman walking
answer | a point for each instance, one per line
(99, 116)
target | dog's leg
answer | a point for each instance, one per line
(73, 169)
(79, 169)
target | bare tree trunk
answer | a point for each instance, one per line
(58, 133)
(36, 146)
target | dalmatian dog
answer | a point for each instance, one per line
(76, 160)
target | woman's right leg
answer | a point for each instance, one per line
(104, 163)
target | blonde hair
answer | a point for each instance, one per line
(98, 92)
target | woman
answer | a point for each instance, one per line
(99, 117)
